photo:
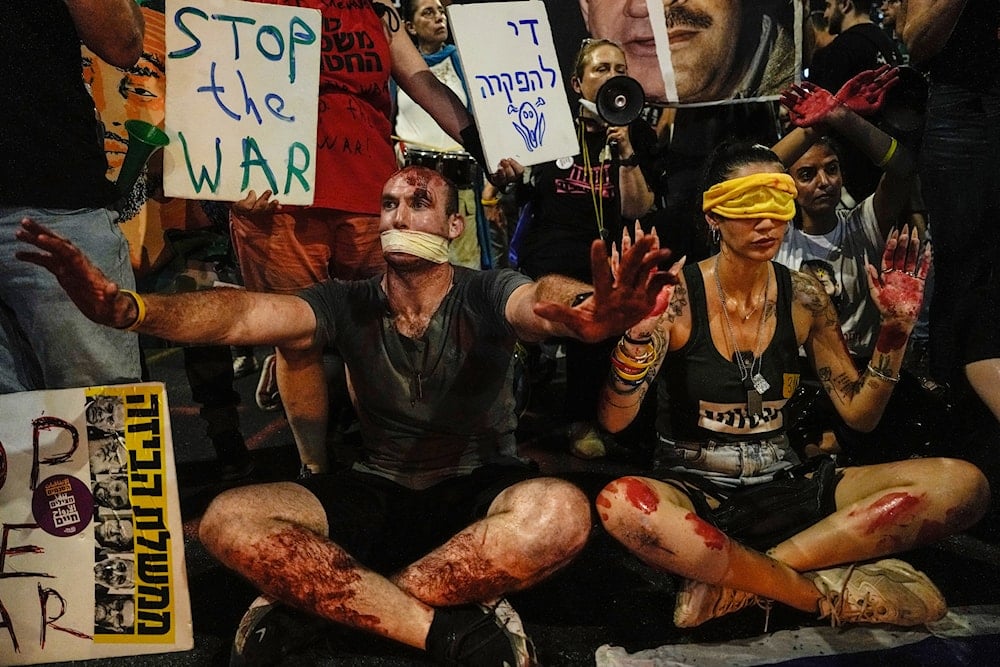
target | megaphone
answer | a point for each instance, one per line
(144, 139)
(620, 100)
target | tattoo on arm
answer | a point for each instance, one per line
(842, 385)
(811, 295)
(677, 303)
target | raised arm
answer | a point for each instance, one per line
(928, 26)
(638, 357)
(218, 316)
(860, 397)
(811, 107)
(113, 29)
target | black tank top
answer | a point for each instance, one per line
(700, 396)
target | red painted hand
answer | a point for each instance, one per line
(666, 293)
(808, 104)
(865, 92)
(619, 301)
(899, 291)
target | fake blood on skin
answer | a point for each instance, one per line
(332, 588)
(605, 502)
(891, 337)
(889, 510)
(713, 538)
(640, 496)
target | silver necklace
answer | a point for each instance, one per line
(753, 381)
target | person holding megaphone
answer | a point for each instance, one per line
(568, 203)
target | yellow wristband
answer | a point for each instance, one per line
(889, 153)
(140, 306)
(489, 202)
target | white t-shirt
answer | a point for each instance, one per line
(837, 260)
(413, 124)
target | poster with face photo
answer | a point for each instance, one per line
(91, 544)
(695, 52)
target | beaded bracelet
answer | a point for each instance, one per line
(882, 376)
(140, 305)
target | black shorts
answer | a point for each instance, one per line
(764, 515)
(386, 526)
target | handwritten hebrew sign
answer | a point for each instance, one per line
(242, 86)
(91, 538)
(519, 100)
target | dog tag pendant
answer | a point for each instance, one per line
(760, 384)
(754, 405)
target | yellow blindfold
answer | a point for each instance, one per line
(753, 196)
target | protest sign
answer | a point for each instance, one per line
(519, 100)
(241, 109)
(91, 540)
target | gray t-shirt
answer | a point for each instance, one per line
(429, 408)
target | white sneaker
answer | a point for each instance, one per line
(887, 591)
(698, 602)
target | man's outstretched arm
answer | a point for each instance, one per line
(547, 307)
(218, 316)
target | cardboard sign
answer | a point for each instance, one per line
(91, 540)
(242, 89)
(519, 100)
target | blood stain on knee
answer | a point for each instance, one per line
(713, 537)
(890, 510)
(640, 496)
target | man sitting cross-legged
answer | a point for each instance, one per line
(422, 538)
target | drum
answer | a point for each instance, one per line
(458, 167)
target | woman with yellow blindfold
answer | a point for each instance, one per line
(729, 507)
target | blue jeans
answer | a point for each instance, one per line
(45, 341)
(960, 178)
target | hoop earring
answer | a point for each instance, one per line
(715, 234)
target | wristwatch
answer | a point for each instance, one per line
(629, 161)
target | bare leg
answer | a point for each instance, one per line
(275, 537)
(984, 376)
(658, 523)
(882, 509)
(889, 508)
(303, 389)
(531, 530)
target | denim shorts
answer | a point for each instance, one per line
(732, 464)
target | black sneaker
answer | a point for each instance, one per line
(270, 632)
(494, 639)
